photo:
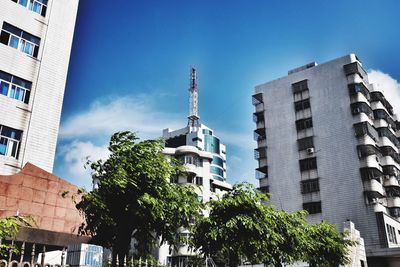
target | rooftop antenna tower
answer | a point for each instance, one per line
(193, 118)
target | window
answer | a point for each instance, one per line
(38, 6)
(19, 39)
(308, 164)
(302, 104)
(14, 87)
(217, 161)
(10, 140)
(300, 86)
(305, 143)
(361, 107)
(391, 234)
(211, 144)
(217, 171)
(304, 124)
(191, 159)
(369, 173)
(199, 180)
(364, 128)
(309, 186)
(312, 207)
(359, 88)
(197, 139)
(207, 132)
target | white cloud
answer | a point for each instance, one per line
(389, 86)
(74, 156)
(103, 118)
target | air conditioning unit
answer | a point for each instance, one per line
(310, 150)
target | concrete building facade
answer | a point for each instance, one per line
(35, 45)
(204, 157)
(328, 142)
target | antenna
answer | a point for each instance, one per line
(193, 118)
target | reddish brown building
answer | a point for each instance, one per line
(38, 193)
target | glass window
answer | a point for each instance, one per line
(309, 186)
(217, 161)
(9, 141)
(300, 86)
(211, 144)
(308, 164)
(312, 207)
(302, 104)
(38, 6)
(14, 87)
(305, 143)
(217, 171)
(304, 124)
(18, 39)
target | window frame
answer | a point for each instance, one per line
(22, 42)
(26, 91)
(15, 142)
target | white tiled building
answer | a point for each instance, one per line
(35, 45)
(204, 157)
(328, 142)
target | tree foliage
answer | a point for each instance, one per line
(240, 227)
(134, 198)
(9, 228)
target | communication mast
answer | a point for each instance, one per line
(193, 118)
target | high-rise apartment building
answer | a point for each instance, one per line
(328, 143)
(204, 157)
(35, 45)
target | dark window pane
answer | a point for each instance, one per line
(308, 164)
(303, 124)
(44, 9)
(312, 207)
(309, 186)
(305, 143)
(4, 37)
(12, 29)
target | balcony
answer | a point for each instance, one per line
(263, 169)
(367, 150)
(257, 98)
(391, 181)
(370, 173)
(260, 175)
(374, 189)
(390, 171)
(393, 202)
(387, 160)
(365, 128)
(380, 113)
(390, 151)
(371, 162)
(354, 68)
(258, 116)
(259, 134)
(357, 89)
(385, 132)
(378, 96)
(260, 153)
(378, 207)
(361, 107)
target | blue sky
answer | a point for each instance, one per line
(129, 67)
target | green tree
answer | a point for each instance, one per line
(240, 227)
(135, 199)
(9, 228)
(328, 247)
